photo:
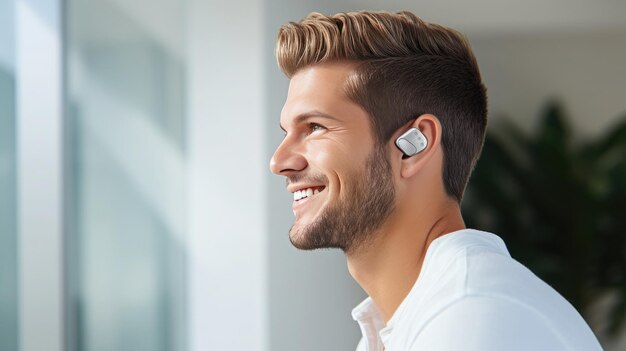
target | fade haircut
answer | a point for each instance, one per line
(405, 67)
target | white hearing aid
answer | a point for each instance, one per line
(412, 142)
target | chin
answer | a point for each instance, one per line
(303, 238)
(299, 238)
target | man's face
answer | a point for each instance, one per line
(341, 180)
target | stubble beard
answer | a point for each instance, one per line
(352, 223)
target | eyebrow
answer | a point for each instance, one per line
(311, 114)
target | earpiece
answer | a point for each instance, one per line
(412, 142)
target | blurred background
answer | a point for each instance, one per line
(137, 210)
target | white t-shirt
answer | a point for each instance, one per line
(472, 296)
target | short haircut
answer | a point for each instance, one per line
(405, 67)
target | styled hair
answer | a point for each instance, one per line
(404, 67)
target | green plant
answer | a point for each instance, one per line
(559, 204)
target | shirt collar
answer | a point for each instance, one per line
(371, 323)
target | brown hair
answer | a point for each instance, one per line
(406, 67)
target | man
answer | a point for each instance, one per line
(384, 121)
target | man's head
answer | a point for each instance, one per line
(357, 79)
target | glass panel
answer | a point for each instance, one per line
(125, 178)
(8, 237)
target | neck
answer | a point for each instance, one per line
(389, 267)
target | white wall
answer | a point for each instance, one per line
(39, 173)
(584, 70)
(227, 172)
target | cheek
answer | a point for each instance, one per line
(327, 155)
(341, 165)
(340, 150)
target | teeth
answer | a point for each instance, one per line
(300, 194)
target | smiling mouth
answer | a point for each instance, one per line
(307, 193)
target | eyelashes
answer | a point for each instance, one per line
(310, 128)
(314, 127)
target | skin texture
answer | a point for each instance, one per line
(381, 209)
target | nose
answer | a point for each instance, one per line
(287, 159)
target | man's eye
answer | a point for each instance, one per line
(314, 127)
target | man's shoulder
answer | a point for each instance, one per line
(473, 285)
(473, 262)
(478, 267)
(494, 323)
(495, 319)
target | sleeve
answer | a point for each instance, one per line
(486, 324)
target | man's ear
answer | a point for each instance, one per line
(430, 127)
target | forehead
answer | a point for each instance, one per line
(320, 88)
